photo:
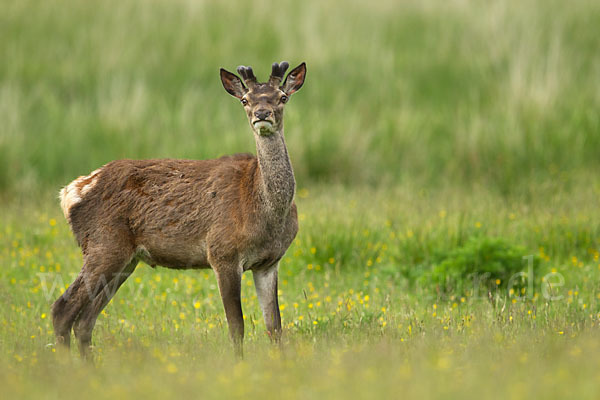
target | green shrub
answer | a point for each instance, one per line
(480, 265)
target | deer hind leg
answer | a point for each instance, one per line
(65, 310)
(101, 293)
(230, 286)
(265, 281)
(103, 258)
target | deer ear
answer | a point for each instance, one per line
(233, 84)
(295, 79)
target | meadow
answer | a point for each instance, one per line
(446, 155)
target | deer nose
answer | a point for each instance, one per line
(262, 114)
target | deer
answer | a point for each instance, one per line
(232, 214)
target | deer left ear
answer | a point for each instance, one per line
(295, 79)
(233, 84)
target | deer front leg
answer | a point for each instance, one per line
(230, 286)
(265, 281)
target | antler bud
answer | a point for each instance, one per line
(277, 72)
(248, 75)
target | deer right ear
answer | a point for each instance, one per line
(233, 84)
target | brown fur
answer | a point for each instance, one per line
(232, 214)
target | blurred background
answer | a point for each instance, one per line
(432, 93)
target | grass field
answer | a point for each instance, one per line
(356, 321)
(446, 155)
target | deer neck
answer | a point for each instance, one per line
(276, 181)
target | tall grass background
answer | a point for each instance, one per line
(497, 93)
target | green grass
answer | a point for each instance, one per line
(432, 140)
(357, 320)
(501, 92)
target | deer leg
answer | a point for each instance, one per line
(85, 322)
(230, 286)
(265, 281)
(65, 310)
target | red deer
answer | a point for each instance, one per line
(231, 214)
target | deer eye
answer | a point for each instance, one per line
(284, 99)
(244, 102)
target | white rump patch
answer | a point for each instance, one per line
(92, 179)
(69, 196)
(76, 190)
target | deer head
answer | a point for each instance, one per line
(264, 102)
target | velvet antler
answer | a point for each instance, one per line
(248, 75)
(277, 73)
